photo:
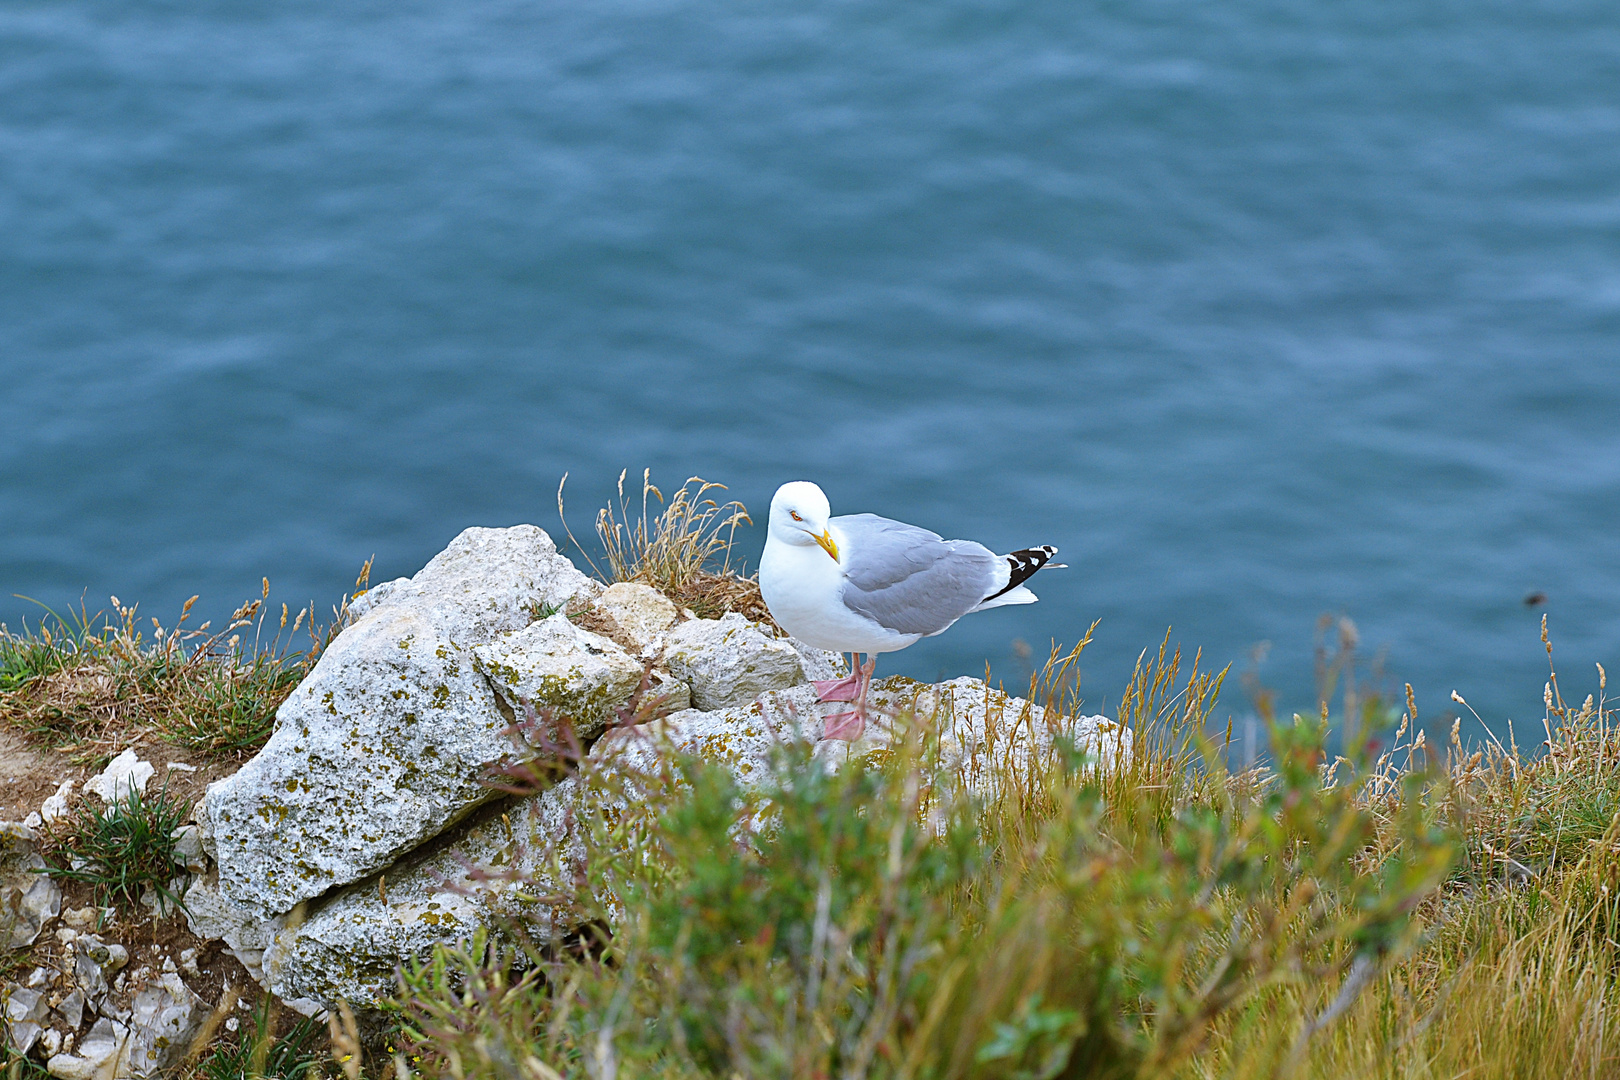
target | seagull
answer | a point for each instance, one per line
(860, 583)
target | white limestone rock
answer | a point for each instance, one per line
(95, 963)
(28, 897)
(25, 1012)
(385, 744)
(486, 582)
(553, 663)
(363, 604)
(82, 918)
(528, 857)
(819, 664)
(188, 849)
(103, 1055)
(730, 661)
(164, 1018)
(673, 696)
(641, 612)
(350, 947)
(212, 917)
(70, 1010)
(741, 738)
(55, 806)
(123, 774)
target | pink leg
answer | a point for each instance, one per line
(845, 689)
(850, 726)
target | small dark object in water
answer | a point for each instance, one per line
(1535, 599)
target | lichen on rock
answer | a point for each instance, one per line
(555, 664)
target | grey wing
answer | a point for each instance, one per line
(910, 580)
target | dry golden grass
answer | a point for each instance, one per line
(683, 550)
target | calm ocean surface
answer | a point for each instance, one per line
(1258, 310)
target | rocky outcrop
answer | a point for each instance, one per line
(386, 743)
(360, 836)
(495, 870)
(526, 864)
(374, 825)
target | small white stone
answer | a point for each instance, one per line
(81, 918)
(188, 849)
(25, 1012)
(164, 1018)
(56, 805)
(28, 898)
(124, 773)
(105, 1049)
(67, 935)
(180, 766)
(232, 1024)
(71, 1010)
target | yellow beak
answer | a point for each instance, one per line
(827, 545)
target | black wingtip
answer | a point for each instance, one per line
(1023, 564)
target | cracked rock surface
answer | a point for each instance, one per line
(730, 661)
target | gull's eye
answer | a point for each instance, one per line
(795, 515)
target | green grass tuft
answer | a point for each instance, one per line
(123, 848)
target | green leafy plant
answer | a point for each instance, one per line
(17, 1066)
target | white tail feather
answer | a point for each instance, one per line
(1017, 595)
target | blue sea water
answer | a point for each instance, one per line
(1258, 310)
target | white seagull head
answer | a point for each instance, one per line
(799, 513)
